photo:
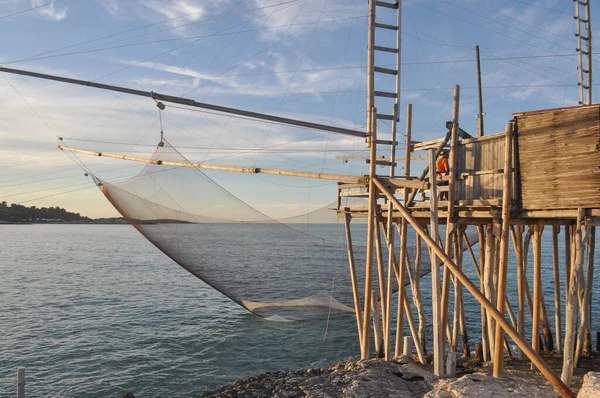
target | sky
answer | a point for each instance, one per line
(304, 59)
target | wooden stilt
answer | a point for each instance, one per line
(572, 303)
(582, 348)
(401, 288)
(462, 317)
(381, 278)
(355, 294)
(557, 304)
(377, 332)
(438, 337)
(415, 284)
(484, 323)
(517, 239)
(450, 222)
(537, 286)
(503, 260)
(490, 292)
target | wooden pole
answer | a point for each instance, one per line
(557, 303)
(20, 382)
(488, 279)
(355, 294)
(537, 286)
(480, 95)
(438, 336)
(377, 332)
(572, 302)
(450, 222)
(407, 310)
(503, 270)
(484, 323)
(381, 282)
(447, 261)
(584, 320)
(461, 313)
(189, 102)
(415, 284)
(408, 347)
(517, 239)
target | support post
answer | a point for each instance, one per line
(450, 222)
(573, 302)
(20, 382)
(537, 287)
(484, 323)
(584, 319)
(408, 346)
(517, 239)
(503, 266)
(557, 303)
(355, 294)
(438, 335)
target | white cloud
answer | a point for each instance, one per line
(50, 11)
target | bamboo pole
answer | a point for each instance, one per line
(537, 287)
(438, 336)
(557, 304)
(512, 332)
(572, 302)
(237, 169)
(503, 270)
(355, 294)
(450, 222)
(584, 319)
(587, 349)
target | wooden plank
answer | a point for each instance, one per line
(355, 294)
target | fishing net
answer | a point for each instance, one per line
(285, 270)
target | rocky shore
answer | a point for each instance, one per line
(400, 378)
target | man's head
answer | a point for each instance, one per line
(445, 154)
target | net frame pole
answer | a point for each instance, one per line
(190, 102)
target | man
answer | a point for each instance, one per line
(442, 167)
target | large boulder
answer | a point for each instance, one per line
(484, 386)
(591, 386)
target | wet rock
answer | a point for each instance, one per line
(591, 386)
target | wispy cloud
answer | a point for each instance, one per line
(51, 11)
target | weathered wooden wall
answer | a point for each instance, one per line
(559, 158)
(480, 164)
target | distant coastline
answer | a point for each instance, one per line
(16, 214)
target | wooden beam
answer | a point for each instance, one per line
(355, 294)
(557, 301)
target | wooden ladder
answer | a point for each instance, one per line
(584, 73)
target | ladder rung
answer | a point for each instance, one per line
(386, 70)
(385, 94)
(385, 26)
(385, 117)
(386, 49)
(386, 5)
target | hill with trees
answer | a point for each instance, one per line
(19, 214)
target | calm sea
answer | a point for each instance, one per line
(96, 311)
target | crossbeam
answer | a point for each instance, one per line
(190, 102)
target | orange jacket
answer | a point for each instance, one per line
(442, 166)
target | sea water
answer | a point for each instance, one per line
(96, 311)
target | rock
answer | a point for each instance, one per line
(591, 386)
(484, 386)
(372, 378)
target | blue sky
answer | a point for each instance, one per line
(304, 59)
